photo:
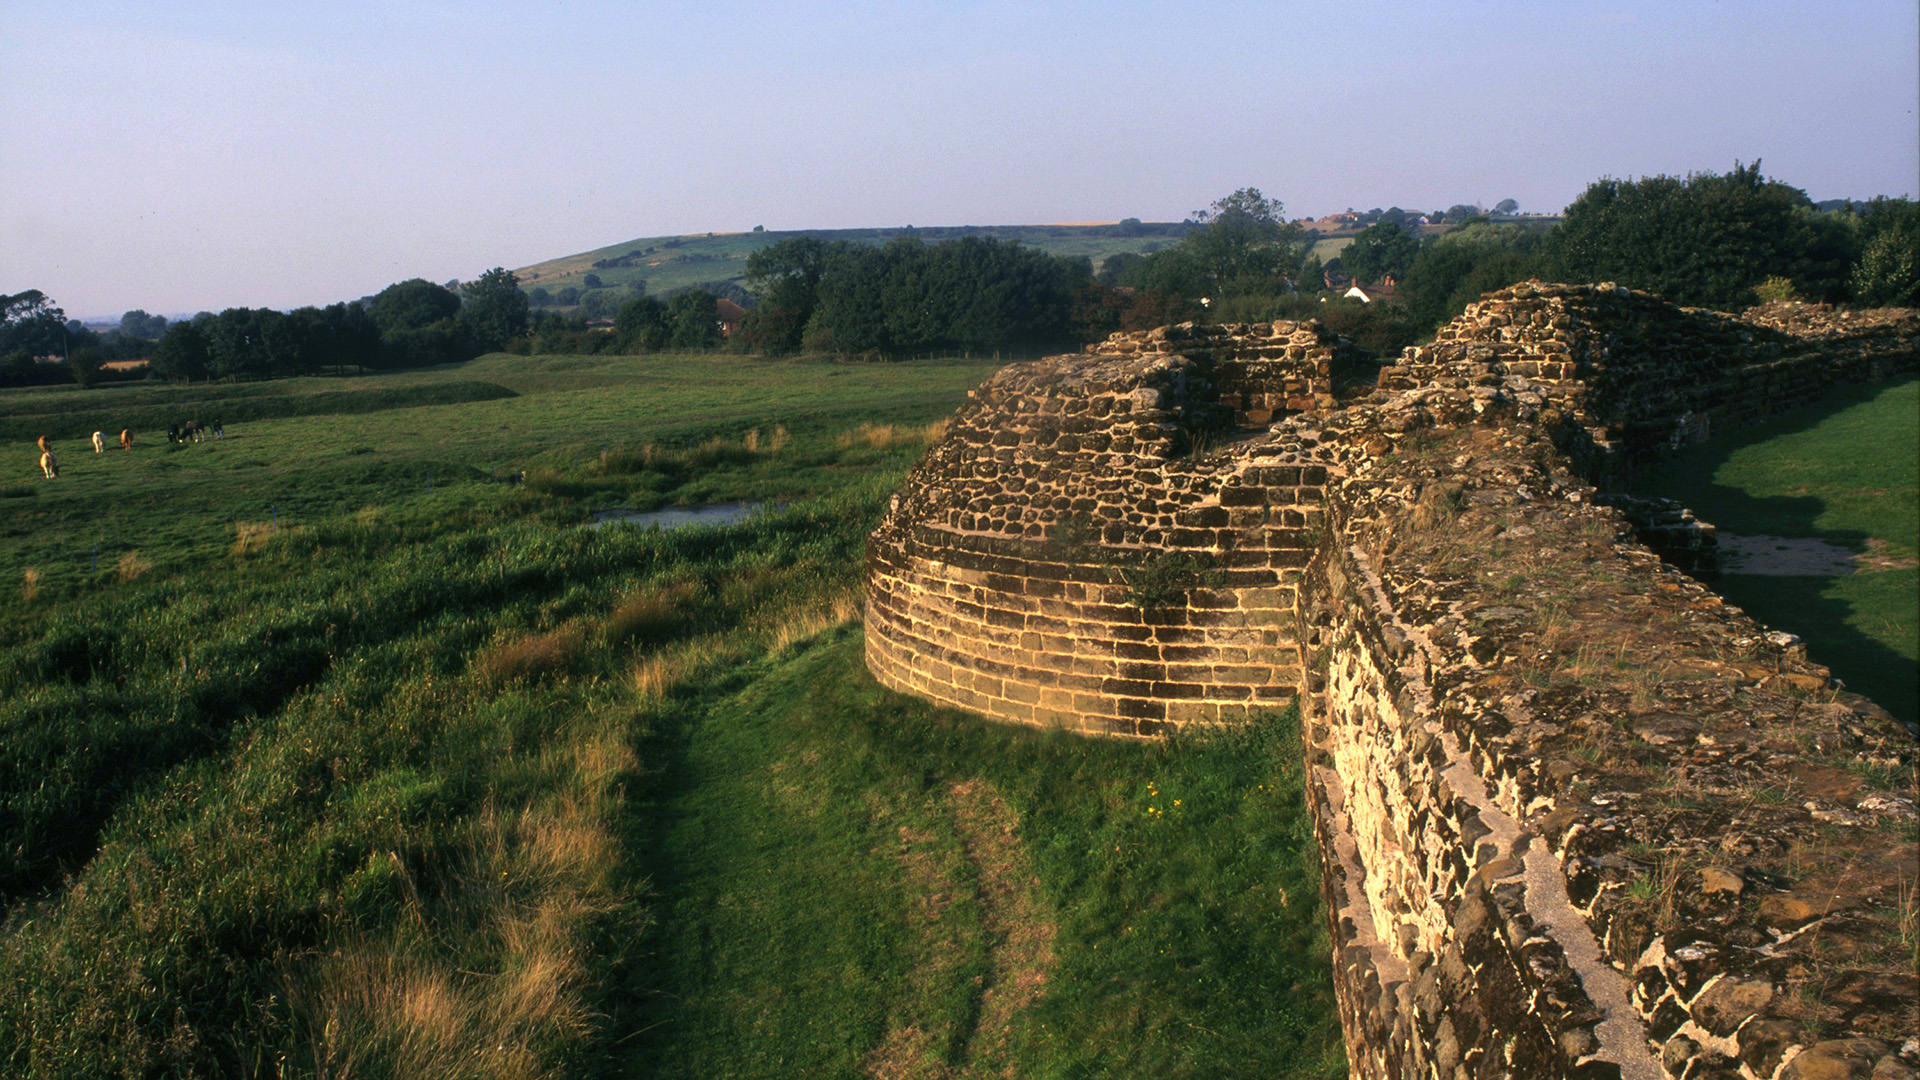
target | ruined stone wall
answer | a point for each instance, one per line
(1637, 372)
(1089, 547)
(1578, 817)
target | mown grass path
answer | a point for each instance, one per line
(853, 883)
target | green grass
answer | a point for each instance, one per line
(1177, 883)
(433, 782)
(440, 455)
(1845, 469)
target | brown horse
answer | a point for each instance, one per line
(126, 439)
(49, 464)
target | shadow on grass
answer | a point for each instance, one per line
(1829, 613)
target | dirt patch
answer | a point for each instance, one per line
(1790, 556)
(1012, 918)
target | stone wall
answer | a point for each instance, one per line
(1578, 816)
(1097, 545)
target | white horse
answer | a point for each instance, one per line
(99, 443)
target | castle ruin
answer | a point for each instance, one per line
(1578, 817)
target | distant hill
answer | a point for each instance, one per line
(667, 263)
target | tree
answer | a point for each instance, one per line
(413, 304)
(1458, 267)
(31, 323)
(1888, 270)
(183, 352)
(641, 324)
(786, 278)
(1507, 206)
(140, 326)
(1379, 250)
(85, 366)
(1703, 240)
(692, 320)
(493, 310)
(1460, 212)
(1243, 244)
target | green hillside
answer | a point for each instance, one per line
(666, 263)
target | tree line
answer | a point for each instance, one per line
(1711, 240)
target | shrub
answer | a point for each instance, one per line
(657, 614)
(1776, 289)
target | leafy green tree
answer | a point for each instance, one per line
(692, 320)
(1458, 267)
(31, 323)
(184, 352)
(1507, 206)
(493, 310)
(1115, 267)
(413, 304)
(1888, 271)
(140, 326)
(786, 278)
(641, 324)
(1703, 240)
(1381, 249)
(351, 336)
(84, 364)
(1311, 277)
(1244, 245)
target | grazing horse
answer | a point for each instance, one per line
(99, 443)
(49, 464)
(173, 434)
(126, 438)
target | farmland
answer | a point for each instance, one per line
(351, 752)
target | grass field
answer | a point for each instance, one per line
(329, 769)
(1845, 469)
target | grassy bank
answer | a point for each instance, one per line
(1845, 469)
(853, 882)
(331, 769)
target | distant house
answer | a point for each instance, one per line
(729, 314)
(1385, 290)
(600, 326)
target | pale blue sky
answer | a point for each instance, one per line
(181, 156)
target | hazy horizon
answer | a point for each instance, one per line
(186, 157)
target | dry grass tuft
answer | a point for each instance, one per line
(30, 584)
(534, 655)
(657, 613)
(798, 626)
(886, 436)
(132, 565)
(251, 536)
(656, 676)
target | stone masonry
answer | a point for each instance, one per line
(1578, 817)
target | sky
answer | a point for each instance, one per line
(177, 157)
